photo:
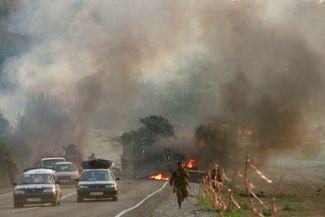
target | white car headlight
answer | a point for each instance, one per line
(18, 191)
(82, 186)
(49, 190)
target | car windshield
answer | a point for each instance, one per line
(100, 175)
(36, 179)
(64, 167)
(50, 163)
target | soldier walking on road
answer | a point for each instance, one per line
(179, 181)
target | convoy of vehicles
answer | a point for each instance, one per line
(42, 185)
(37, 186)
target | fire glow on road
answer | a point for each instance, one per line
(159, 176)
(190, 163)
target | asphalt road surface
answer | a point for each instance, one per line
(131, 193)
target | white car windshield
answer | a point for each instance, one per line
(36, 179)
(49, 163)
(64, 167)
(93, 175)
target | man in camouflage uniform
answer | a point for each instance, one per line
(179, 181)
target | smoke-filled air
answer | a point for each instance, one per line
(251, 68)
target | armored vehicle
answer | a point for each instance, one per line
(150, 149)
(73, 154)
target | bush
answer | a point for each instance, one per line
(203, 203)
(4, 149)
(287, 207)
(267, 212)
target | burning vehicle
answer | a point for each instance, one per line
(149, 151)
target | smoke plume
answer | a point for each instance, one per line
(90, 55)
(250, 65)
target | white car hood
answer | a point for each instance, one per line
(66, 173)
(96, 182)
(34, 186)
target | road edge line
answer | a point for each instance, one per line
(142, 201)
(68, 195)
(5, 194)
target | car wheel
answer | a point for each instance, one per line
(18, 205)
(115, 198)
(79, 198)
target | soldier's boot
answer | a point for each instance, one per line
(179, 205)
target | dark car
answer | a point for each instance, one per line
(37, 186)
(97, 183)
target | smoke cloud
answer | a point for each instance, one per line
(254, 65)
(90, 55)
(269, 78)
(259, 73)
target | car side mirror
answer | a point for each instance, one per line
(117, 179)
(14, 183)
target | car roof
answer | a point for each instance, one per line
(53, 158)
(63, 162)
(39, 171)
(96, 170)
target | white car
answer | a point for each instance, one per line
(48, 162)
(37, 186)
(66, 173)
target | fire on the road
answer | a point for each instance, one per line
(159, 176)
(190, 163)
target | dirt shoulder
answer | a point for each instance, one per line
(169, 207)
(301, 194)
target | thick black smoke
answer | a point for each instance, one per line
(250, 65)
(258, 73)
(88, 55)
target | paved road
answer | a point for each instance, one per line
(131, 193)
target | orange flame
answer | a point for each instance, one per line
(159, 176)
(190, 163)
